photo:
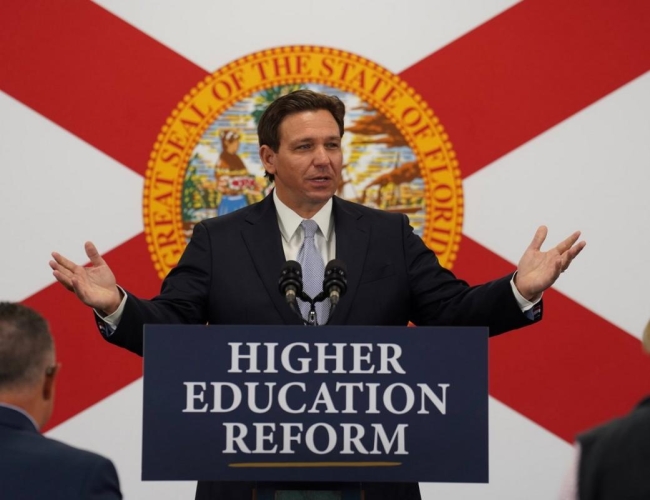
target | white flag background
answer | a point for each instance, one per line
(546, 102)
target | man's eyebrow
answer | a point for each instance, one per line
(312, 139)
(302, 139)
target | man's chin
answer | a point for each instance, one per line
(318, 197)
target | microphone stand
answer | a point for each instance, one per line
(311, 315)
(312, 308)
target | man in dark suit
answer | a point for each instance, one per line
(229, 272)
(31, 465)
(612, 460)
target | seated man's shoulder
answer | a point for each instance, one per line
(633, 428)
(72, 457)
(65, 471)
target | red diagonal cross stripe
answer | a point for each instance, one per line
(92, 74)
(529, 68)
(494, 89)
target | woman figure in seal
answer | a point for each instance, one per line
(233, 180)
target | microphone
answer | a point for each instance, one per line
(335, 283)
(290, 282)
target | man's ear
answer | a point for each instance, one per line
(267, 155)
(50, 382)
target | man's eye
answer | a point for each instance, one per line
(333, 145)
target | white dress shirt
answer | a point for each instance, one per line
(292, 236)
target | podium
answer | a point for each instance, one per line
(279, 405)
(338, 492)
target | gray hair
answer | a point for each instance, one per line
(26, 346)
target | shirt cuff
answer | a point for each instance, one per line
(112, 321)
(526, 306)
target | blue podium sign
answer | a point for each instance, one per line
(291, 403)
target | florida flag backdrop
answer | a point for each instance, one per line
(546, 104)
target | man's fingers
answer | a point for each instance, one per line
(63, 262)
(93, 254)
(538, 239)
(66, 272)
(571, 254)
(568, 243)
(63, 279)
(63, 275)
(62, 270)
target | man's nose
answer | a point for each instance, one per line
(321, 157)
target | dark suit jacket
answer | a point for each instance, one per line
(34, 467)
(615, 458)
(229, 275)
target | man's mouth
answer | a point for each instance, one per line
(320, 179)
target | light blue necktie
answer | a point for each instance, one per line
(313, 271)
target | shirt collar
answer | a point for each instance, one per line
(289, 221)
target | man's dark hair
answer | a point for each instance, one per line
(268, 128)
(26, 345)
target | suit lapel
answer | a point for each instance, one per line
(264, 243)
(352, 237)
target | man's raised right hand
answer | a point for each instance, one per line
(95, 285)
